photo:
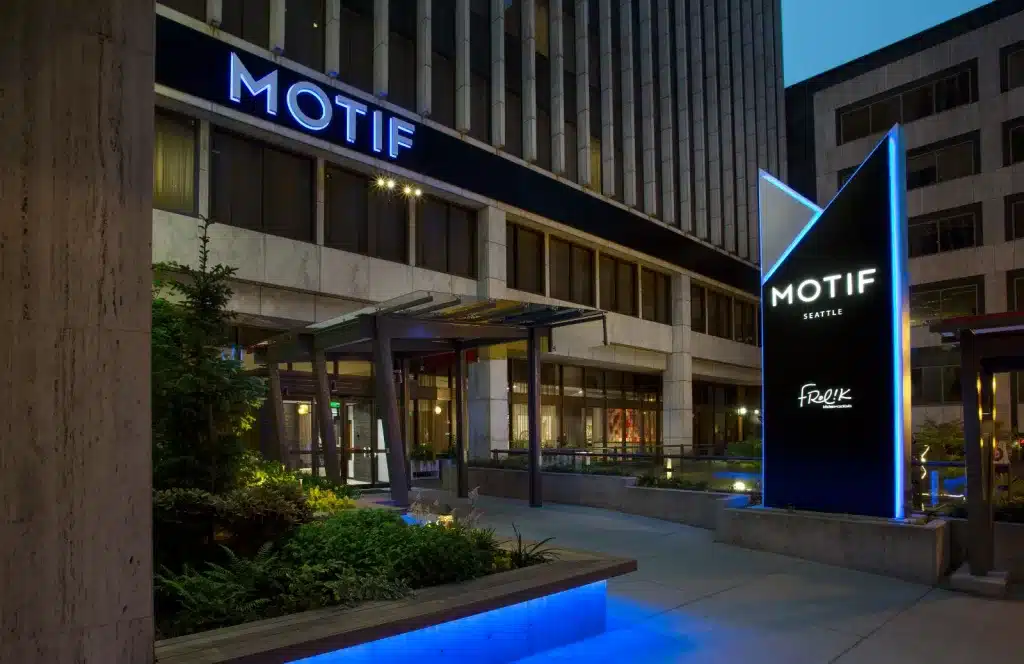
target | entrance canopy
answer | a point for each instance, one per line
(425, 323)
(419, 324)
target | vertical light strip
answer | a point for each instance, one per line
(896, 247)
(764, 429)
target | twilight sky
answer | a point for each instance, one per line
(818, 35)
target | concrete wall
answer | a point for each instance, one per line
(1009, 546)
(918, 553)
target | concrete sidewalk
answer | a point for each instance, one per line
(695, 601)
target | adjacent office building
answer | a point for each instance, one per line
(598, 153)
(958, 89)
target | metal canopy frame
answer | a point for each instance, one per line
(989, 344)
(416, 325)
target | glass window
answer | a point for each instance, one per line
(355, 46)
(595, 164)
(240, 167)
(846, 173)
(431, 227)
(542, 25)
(931, 304)
(625, 288)
(918, 102)
(442, 96)
(480, 106)
(572, 272)
(194, 8)
(698, 312)
(946, 231)
(720, 315)
(389, 226)
(525, 259)
(346, 210)
(608, 302)
(1013, 141)
(1013, 64)
(247, 19)
(571, 155)
(745, 319)
(655, 291)
(543, 139)
(513, 123)
(1015, 216)
(1018, 294)
(304, 33)
(935, 385)
(401, 69)
(931, 166)
(854, 124)
(174, 163)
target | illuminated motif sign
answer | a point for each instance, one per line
(835, 342)
(313, 109)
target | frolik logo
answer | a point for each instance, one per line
(827, 399)
(831, 287)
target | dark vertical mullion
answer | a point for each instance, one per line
(702, 22)
(691, 172)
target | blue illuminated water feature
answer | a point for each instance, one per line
(501, 636)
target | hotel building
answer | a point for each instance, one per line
(595, 153)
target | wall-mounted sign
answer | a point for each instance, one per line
(835, 334)
(228, 77)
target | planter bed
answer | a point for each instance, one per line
(612, 492)
(576, 577)
(901, 549)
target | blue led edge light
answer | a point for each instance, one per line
(760, 261)
(896, 229)
(765, 276)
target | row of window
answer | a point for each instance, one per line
(574, 277)
(263, 188)
(955, 157)
(935, 94)
(585, 407)
(721, 315)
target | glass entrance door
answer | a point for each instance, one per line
(357, 420)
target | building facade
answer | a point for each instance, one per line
(601, 153)
(958, 89)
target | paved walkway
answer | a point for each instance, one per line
(695, 601)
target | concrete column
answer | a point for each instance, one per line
(582, 94)
(677, 410)
(607, 100)
(626, 80)
(666, 129)
(332, 38)
(682, 84)
(380, 48)
(647, 108)
(498, 73)
(463, 81)
(529, 42)
(556, 46)
(215, 12)
(424, 57)
(411, 232)
(76, 169)
(277, 10)
(320, 205)
(488, 376)
(204, 169)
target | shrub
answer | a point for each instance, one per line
(326, 501)
(421, 452)
(379, 541)
(247, 589)
(255, 515)
(659, 482)
(184, 525)
(749, 447)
